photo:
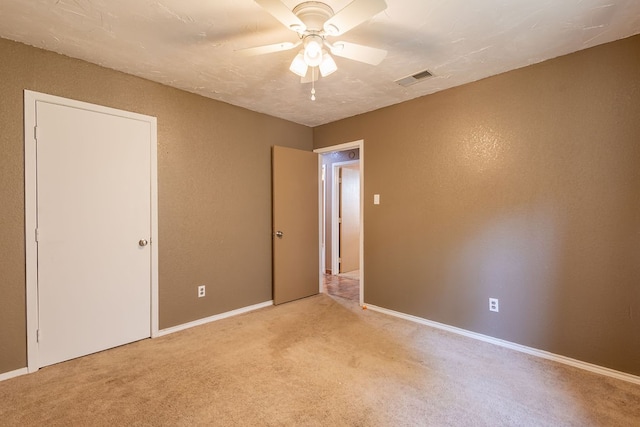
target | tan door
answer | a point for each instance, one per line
(296, 268)
(350, 218)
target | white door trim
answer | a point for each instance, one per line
(359, 144)
(31, 250)
(335, 214)
(323, 219)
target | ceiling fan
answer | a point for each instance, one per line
(314, 22)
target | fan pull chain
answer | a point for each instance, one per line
(313, 84)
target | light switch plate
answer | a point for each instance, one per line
(376, 199)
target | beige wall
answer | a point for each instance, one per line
(214, 163)
(523, 187)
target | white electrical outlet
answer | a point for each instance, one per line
(493, 305)
(201, 291)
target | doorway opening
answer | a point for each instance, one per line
(341, 212)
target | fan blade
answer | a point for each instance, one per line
(282, 13)
(270, 48)
(354, 14)
(358, 52)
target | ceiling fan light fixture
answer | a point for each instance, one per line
(298, 65)
(314, 21)
(328, 65)
(313, 51)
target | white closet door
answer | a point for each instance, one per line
(94, 217)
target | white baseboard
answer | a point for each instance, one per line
(513, 346)
(206, 320)
(13, 374)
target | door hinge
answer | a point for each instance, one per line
(36, 132)
(339, 220)
(339, 260)
(37, 234)
(37, 335)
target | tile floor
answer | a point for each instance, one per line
(344, 286)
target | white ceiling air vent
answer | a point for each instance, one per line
(414, 78)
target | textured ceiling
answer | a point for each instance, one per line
(191, 44)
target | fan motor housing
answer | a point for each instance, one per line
(314, 14)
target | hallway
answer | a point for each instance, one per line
(346, 285)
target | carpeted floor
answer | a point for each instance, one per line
(320, 361)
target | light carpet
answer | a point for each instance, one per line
(319, 361)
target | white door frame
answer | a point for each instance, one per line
(30, 207)
(359, 144)
(335, 214)
(321, 221)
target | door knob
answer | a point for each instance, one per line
(143, 242)
(279, 234)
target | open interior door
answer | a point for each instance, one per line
(296, 268)
(350, 218)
